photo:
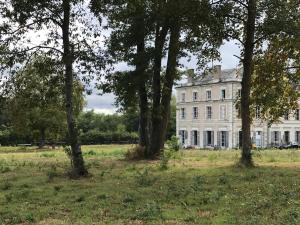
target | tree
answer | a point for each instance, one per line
(128, 43)
(255, 24)
(64, 40)
(188, 24)
(36, 101)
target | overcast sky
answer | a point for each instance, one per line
(105, 103)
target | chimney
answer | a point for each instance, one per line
(190, 75)
(217, 70)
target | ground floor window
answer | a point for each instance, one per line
(258, 139)
(194, 138)
(208, 138)
(286, 137)
(275, 138)
(223, 139)
(183, 136)
(297, 137)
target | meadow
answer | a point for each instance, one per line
(192, 187)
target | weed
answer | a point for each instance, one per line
(150, 211)
(165, 158)
(29, 217)
(6, 186)
(52, 173)
(144, 179)
(80, 198)
(8, 197)
(223, 179)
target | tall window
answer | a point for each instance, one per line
(276, 136)
(195, 96)
(239, 93)
(195, 112)
(297, 114)
(286, 116)
(257, 112)
(223, 94)
(182, 113)
(286, 137)
(297, 137)
(182, 97)
(222, 112)
(208, 112)
(208, 95)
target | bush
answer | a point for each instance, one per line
(135, 153)
(173, 143)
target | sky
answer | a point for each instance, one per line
(105, 103)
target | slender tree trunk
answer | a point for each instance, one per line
(169, 79)
(76, 154)
(42, 138)
(156, 91)
(141, 66)
(246, 159)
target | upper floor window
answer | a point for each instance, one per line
(182, 113)
(257, 112)
(297, 114)
(182, 97)
(239, 93)
(208, 112)
(223, 94)
(195, 112)
(195, 96)
(222, 112)
(286, 116)
(208, 95)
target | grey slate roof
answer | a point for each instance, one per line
(211, 77)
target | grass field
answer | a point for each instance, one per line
(199, 187)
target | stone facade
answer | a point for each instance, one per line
(207, 117)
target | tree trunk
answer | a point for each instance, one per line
(76, 154)
(156, 91)
(169, 79)
(141, 66)
(42, 138)
(246, 159)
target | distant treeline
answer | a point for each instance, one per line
(94, 128)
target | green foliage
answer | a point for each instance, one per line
(173, 143)
(195, 191)
(136, 152)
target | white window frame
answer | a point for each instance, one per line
(182, 113)
(195, 96)
(208, 97)
(223, 90)
(182, 97)
(195, 113)
(207, 115)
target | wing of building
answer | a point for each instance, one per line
(207, 116)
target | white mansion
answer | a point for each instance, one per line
(207, 116)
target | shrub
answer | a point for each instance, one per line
(173, 143)
(150, 211)
(135, 153)
(165, 158)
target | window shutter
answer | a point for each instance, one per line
(218, 138)
(204, 138)
(227, 139)
(212, 139)
(198, 138)
(192, 138)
